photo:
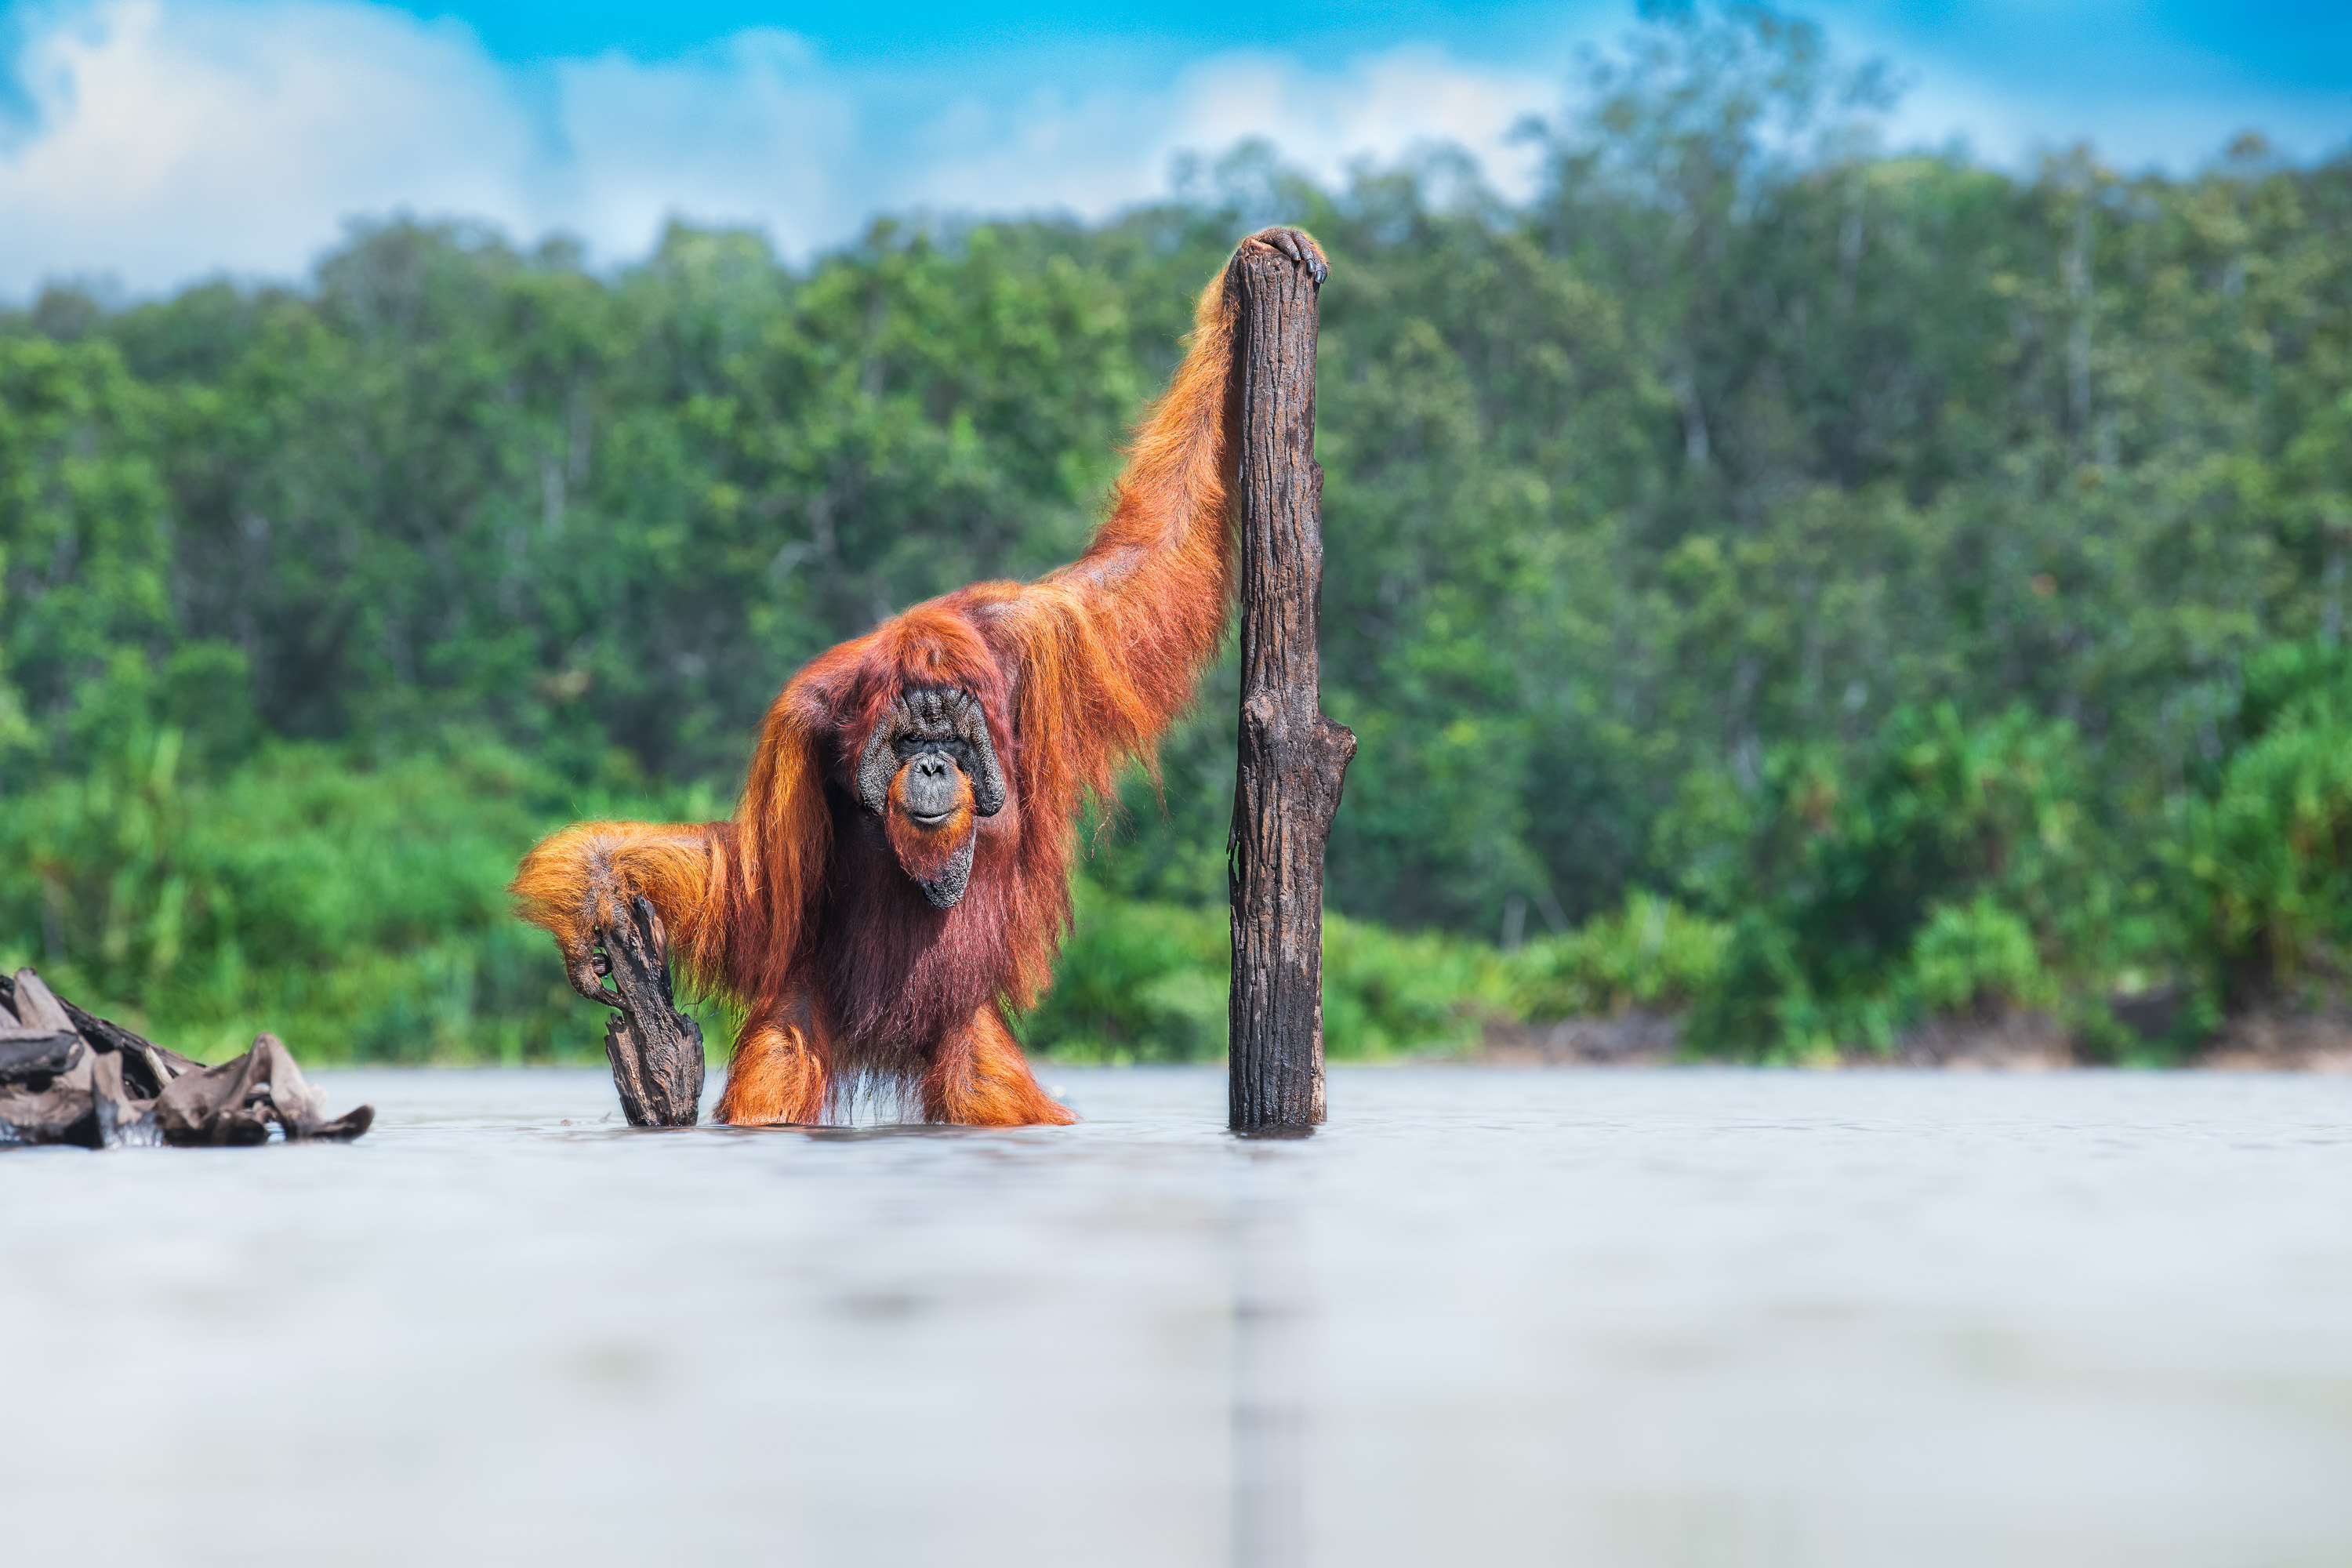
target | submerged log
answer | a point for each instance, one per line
(236, 1101)
(69, 1076)
(146, 1065)
(30, 1052)
(656, 1050)
(58, 1107)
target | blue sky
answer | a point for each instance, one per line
(2284, 43)
(152, 141)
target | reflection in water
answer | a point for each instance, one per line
(1618, 1319)
(1269, 1370)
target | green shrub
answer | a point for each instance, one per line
(1928, 876)
(2264, 855)
(1144, 982)
(1977, 958)
(1388, 993)
(1138, 982)
(1652, 953)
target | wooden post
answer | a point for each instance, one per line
(1293, 760)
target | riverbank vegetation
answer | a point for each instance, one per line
(1806, 588)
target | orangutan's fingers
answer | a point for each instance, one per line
(1300, 247)
(587, 975)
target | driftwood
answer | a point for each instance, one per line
(70, 1076)
(1293, 760)
(656, 1050)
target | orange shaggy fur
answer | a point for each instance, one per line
(801, 912)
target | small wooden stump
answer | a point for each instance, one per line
(1293, 760)
(656, 1050)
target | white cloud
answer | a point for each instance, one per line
(176, 138)
(1382, 106)
(168, 144)
(752, 131)
(1093, 151)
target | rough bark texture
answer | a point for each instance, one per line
(656, 1050)
(1293, 760)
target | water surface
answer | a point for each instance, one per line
(1603, 1317)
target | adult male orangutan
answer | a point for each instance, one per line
(897, 872)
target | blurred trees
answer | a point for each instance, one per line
(1895, 585)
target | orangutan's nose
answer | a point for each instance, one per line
(932, 787)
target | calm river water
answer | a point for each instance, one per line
(1883, 1320)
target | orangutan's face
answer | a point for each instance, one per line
(930, 773)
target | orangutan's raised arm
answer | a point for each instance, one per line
(1113, 645)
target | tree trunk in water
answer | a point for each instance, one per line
(656, 1050)
(1293, 760)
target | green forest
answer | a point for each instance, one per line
(1803, 587)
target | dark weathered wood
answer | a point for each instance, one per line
(234, 1103)
(36, 1006)
(1293, 760)
(146, 1067)
(36, 1053)
(58, 1109)
(46, 1093)
(109, 1089)
(656, 1050)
